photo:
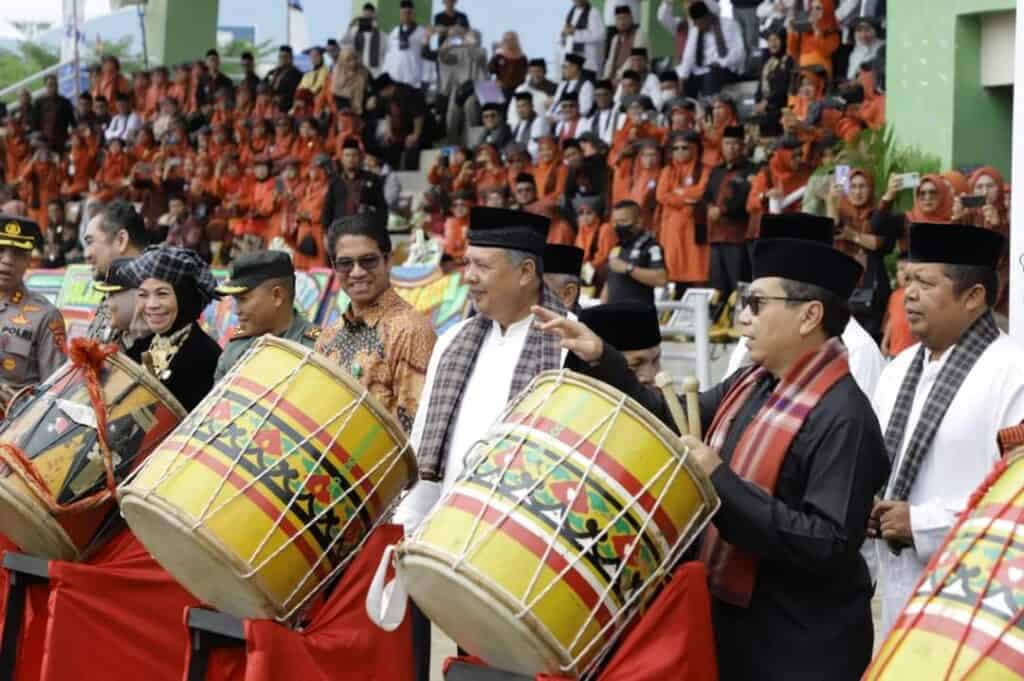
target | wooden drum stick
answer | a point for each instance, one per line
(664, 383)
(690, 388)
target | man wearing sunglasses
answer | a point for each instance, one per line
(866, 361)
(380, 339)
(795, 453)
(263, 286)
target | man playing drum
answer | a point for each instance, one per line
(942, 401)
(32, 334)
(380, 339)
(803, 456)
(263, 286)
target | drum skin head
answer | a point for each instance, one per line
(195, 560)
(25, 523)
(477, 619)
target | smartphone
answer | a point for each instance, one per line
(910, 180)
(843, 177)
(972, 201)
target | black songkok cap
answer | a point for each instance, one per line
(699, 10)
(735, 132)
(955, 245)
(625, 326)
(576, 59)
(808, 262)
(561, 259)
(798, 226)
(511, 229)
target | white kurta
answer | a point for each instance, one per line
(590, 38)
(406, 66)
(484, 397)
(961, 456)
(865, 359)
(735, 52)
(584, 90)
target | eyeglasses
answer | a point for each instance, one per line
(754, 301)
(681, 147)
(367, 263)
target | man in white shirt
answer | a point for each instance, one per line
(125, 123)
(714, 54)
(610, 9)
(404, 61)
(482, 362)
(538, 85)
(573, 83)
(371, 45)
(627, 37)
(529, 127)
(866, 361)
(679, 27)
(607, 118)
(583, 34)
(942, 401)
(570, 125)
(638, 67)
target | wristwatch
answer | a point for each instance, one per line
(629, 269)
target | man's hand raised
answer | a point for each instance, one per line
(576, 337)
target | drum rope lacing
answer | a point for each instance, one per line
(391, 459)
(972, 504)
(89, 357)
(607, 422)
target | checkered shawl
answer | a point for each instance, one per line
(542, 352)
(762, 448)
(968, 349)
(176, 266)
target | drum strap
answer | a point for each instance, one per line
(87, 356)
(762, 448)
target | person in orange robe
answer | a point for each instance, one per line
(223, 114)
(309, 145)
(39, 182)
(638, 126)
(285, 138)
(549, 171)
(159, 88)
(818, 46)
(181, 89)
(264, 107)
(288, 189)
(140, 88)
(258, 143)
(79, 169)
(456, 226)
(490, 173)
(594, 238)
(115, 169)
(518, 163)
(680, 191)
(643, 183)
(310, 249)
(16, 148)
(723, 115)
(221, 142)
(111, 81)
(253, 205)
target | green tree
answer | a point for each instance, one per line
(29, 58)
(231, 52)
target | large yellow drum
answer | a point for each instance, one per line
(568, 515)
(965, 619)
(54, 500)
(263, 492)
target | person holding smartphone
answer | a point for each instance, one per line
(813, 41)
(370, 44)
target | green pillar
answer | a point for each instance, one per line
(662, 43)
(935, 100)
(180, 30)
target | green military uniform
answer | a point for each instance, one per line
(32, 332)
(301, 331)
(248, 272)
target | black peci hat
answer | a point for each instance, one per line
(510, 229)
(808, 262)
(955, 245)
(561, 259)
(798, 226)
(625, 326)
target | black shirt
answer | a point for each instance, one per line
(444, 19)
(641, 251)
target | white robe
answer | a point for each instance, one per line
(963, 453)
(484, 397)
(591, 38)
(406, 66)
(865, 359)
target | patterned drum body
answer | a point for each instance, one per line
(965, 619)
(567, 516)
(56, 430)
(257, 498)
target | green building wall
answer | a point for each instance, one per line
(179, 30)
(935, 99)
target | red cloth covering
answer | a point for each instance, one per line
(673, 640)
(340, 644)
(33, 629)
(121, 611)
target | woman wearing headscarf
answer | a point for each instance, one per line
(594, 238)
(818, 45)
(723, 115)
(857, 235)
(350, 84)
(933, 202)
(776, 75)
(638, 126)
(549, 172)
(490, 173)
(680, 192)
(174, 287)
(509, 64)
(988, 183)
(636, 179)
(309, 247)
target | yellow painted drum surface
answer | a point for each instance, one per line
(260, 495)
(965, 619)
(56, 430)
(568, 514)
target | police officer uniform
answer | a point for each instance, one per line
(32, 332)
(248, 272)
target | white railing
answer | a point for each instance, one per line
(690, 317)
(13, 89)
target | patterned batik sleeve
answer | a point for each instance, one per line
(409, 354)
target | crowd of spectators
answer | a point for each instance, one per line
(649, 165)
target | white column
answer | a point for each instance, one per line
(1017, 206)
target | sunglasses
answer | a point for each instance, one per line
(754, 301)
(367, 263)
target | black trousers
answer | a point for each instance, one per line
(730, 265)
(709, 84)
(420, 644)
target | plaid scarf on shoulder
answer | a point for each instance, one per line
(542, 352)
(969, 348)
(762, 448)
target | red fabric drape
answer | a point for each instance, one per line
(340, 644)
(673, 640)
(119, 611)
(33, 628)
